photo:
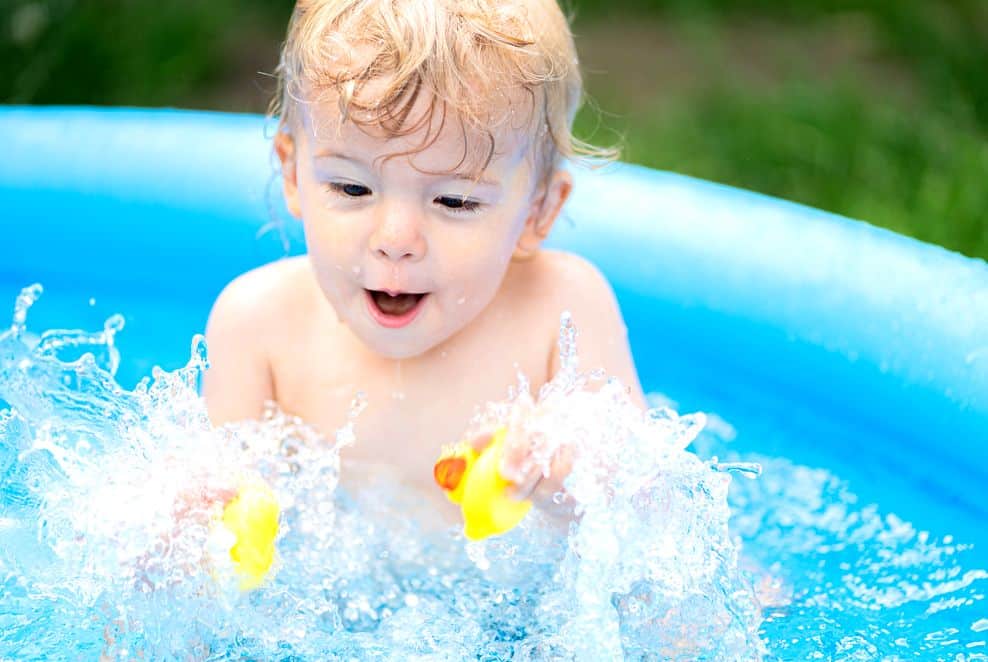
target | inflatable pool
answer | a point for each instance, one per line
(822, 340)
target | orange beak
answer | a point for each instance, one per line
(449, 471)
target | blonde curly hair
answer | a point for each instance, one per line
(474, 60)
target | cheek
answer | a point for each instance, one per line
(476, 261)
(326, 232)
(323, 244)
(331, 251)
(329, 235)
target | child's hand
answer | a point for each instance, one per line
(532, 479)
(198, 504)
(193, 508)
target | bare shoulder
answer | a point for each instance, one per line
(570, 283)
(253, 314)
(258, 299)
(562, 272)
(566, 282)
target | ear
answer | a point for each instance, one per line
(284, 147)
(546, 205)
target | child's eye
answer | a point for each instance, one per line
(457, 204)
(349, 190)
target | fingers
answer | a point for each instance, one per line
(524, 489)
(533, 481)
(198, 501)
(517, 461)
(562, 462)
(216, 493)
(481, 441)
(530, 477)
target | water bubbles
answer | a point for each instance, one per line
(346, 436)
(746, 469)
(113, 324)
(198, 353)
(477, 551)
(568, 358)
(28, 296)
(92, 476)
(662, 415)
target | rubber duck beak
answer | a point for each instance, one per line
(449, 471)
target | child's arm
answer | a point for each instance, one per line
(238, 381)
(602, 342)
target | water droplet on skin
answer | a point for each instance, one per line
(568, 358)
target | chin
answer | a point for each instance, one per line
(407, 343)
(399, 349)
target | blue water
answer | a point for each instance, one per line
(837, 551)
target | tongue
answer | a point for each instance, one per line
(395, 305)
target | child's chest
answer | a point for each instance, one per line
(414, 407)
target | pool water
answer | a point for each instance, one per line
(850, 363)
(834, 552)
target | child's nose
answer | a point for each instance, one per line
(399, 237)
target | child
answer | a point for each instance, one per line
(420, 144)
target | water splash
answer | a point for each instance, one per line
(108, 500)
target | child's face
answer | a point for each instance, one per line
(408, 258)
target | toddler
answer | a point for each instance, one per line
(421, 145)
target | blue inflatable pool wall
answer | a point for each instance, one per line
(726, 293)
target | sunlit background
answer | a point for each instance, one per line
(875, 110)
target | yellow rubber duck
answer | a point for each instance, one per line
(252, 517)
(473, 481)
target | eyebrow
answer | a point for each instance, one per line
(331, 154)
(472, 178)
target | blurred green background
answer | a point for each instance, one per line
(875, 110)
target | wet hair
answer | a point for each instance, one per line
(485, 64)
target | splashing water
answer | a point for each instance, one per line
(108, 542)
(111, 498)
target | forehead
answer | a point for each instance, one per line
(432, 137)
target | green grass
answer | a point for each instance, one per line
(823, 112)
(832, 148)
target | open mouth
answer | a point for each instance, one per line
(394, 310)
